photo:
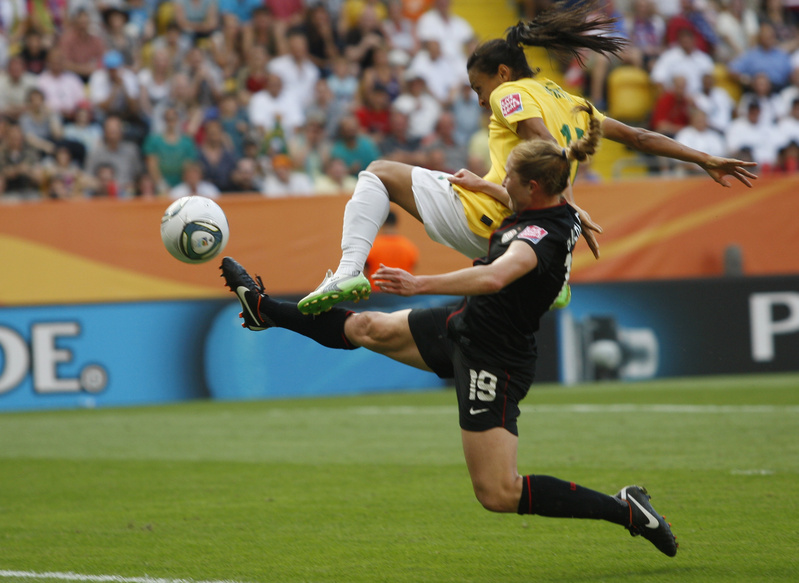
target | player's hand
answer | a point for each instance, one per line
(397, 281)
(467, 179)
(723, 169)
(590, 230)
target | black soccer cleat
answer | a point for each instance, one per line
(646, 522)
(248, 293)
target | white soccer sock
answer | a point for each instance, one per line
(364, 214)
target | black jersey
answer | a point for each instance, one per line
(501, 326)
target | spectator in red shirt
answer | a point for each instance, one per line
(373, 115)
(83, 51)
(672, 109)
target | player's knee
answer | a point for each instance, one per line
(496, 498)
(369, 330)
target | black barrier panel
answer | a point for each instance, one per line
(639, 330)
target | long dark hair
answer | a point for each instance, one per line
(561, 30)
(549, 164)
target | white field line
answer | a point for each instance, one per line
(589, 408)
(5, 574)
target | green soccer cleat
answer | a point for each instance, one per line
(563, 299)
(334, 290)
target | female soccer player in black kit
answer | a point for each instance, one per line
(487, 342)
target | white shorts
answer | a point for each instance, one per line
(442, 213)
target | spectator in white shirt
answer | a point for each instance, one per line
(749, 139)
(285, 181)
(441, 74)
(685, 60)
(716, 102)
(788, 127)
(193, 183)
(114, 89)
(276, 100)
(700, 136)
(421, 108)
(761, 93)
(453, 31)
(296, 69)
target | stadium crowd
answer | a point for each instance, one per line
(114, 98)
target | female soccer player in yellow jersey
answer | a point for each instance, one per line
(462, 210)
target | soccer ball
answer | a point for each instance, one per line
(194, 229)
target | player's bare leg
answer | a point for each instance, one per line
(380, 184)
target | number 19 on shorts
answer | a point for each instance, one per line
(482, 386)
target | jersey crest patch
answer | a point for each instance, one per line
(533, 233)
(510, 104)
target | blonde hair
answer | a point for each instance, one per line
(548, 163)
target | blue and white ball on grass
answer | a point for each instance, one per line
(194, 229)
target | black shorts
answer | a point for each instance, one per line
(488, 394)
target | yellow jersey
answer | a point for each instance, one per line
(511, 103)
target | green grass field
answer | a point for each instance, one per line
(374, 488)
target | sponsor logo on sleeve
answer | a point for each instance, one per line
(533, 233)
(510, 104)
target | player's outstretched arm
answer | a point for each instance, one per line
(722, 170)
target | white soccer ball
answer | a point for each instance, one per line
(194, 229)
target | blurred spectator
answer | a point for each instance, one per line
(235, 121)
(265, 32)
(116, 38)
(784, 21)
(467, 111)
(114, 89)
(285, 181)
(227, 46)
(216, 155)
(646, 30)
(192, 183)
(373, 114)
(105, 183)
(421, 108)
(141, 15)
(33, 52)
(671, 110)
(362, 40)
(326, 104)
(442, 75)
(398, 145)
(204, 76)
(145, 186)
(288, 12)
(737, 26)
(63, 90)
(352, 146)
(63, 177)
(82, 129)
(788, 158)
(700, 136)
(296, 69)
(441, 149)
(20, 171)
(785, 98)
(683, 59)
(453, 31)
(196, 18)
(335, 179)
(691, 17)
(765, 57)
(242, 9)
(788, 126)
(309, 148)
(15, 84)
(323, 39)
(123, 156)
(761, 93)
(244, 177)
(42, 126)
(352, 10)
(386, 71)
(174, 43)
(343, 81)
(399, 30)
(253, 76)
(749, 139)
(391, 249)
(82, 49)
(154, 82)
(273, 104)
(715, 102)
(182, 98)
(167, 152)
